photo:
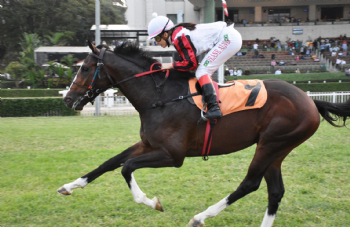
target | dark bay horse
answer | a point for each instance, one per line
(170, 132)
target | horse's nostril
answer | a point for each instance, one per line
(67, 99)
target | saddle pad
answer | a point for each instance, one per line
(243, 95)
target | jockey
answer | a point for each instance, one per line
(219, 41)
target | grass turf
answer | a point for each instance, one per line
(38, 155)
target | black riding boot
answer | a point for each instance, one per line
(209, 96)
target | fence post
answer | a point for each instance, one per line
(334, 97)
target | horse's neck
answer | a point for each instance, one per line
(140, 91)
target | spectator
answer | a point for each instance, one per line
(323, 47)
(265, 46)
(247, 71)
(273, 45)
(307, 53)
(343, 62)
(249, 46)
(255, 46)
(273, 64)
(345, 45)
(256, 53)
(279, 45)
(347, 72)
(297, 58)
(231, 72)
(278, 72)
(337, 63)
(314, 44)
(239, 54)
(307, 71)
(297, 70)
(239, 72)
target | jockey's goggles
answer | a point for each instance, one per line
(158, 38)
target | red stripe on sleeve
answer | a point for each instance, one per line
(187, 52)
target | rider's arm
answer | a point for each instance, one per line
(187, 51)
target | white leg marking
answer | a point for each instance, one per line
(139, 196)
(78, 183)
(268, 220)
(212, 211)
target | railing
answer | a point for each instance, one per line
(110, 105)
(334, 97)
(122, 106)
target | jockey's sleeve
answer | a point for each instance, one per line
(187, 51)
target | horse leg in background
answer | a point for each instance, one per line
(275, 188)
(110, 165)
(156, 159)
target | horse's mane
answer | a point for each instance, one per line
(132, 50)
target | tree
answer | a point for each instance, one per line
(16, 70)
(55, 39)
(71, 17)
(28, 44)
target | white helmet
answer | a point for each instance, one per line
(159, 24)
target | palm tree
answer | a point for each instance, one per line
(55, 39)
(29, 44)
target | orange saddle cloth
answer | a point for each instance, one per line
(242, 95)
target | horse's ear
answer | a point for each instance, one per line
(92, 47)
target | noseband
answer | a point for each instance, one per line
(91, 90)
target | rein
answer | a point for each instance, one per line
(91, 91)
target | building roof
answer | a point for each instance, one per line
(63, 49)
(112, 27)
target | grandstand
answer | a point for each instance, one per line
(262, 64)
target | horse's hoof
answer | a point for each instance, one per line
(63, 191)
(158, 205)
(195, 223)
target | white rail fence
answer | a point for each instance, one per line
(334, 97)
(120, 105)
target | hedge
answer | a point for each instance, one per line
(323, 87)
(33, 107)
(30, 93)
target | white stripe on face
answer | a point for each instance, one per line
(76, 75)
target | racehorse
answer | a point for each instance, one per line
(169, 130)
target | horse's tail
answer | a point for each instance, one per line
(339, 110)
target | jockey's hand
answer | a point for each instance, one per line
(167, 66)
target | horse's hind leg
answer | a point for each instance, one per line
(110, 165)
(275, 187)
(251, 182)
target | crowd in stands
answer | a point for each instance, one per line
(300, 50)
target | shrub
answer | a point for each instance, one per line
(12, 93)
(33, 107)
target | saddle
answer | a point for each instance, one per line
(234, 96)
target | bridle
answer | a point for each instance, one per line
(92, 91)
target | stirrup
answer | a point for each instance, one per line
(202, 119)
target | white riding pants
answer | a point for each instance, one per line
(230, 42)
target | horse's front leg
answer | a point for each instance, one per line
(110, 165)
(156, 159)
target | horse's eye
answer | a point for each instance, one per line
(84, 68)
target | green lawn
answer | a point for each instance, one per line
(38, 155)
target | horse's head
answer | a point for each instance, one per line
(87, 83)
